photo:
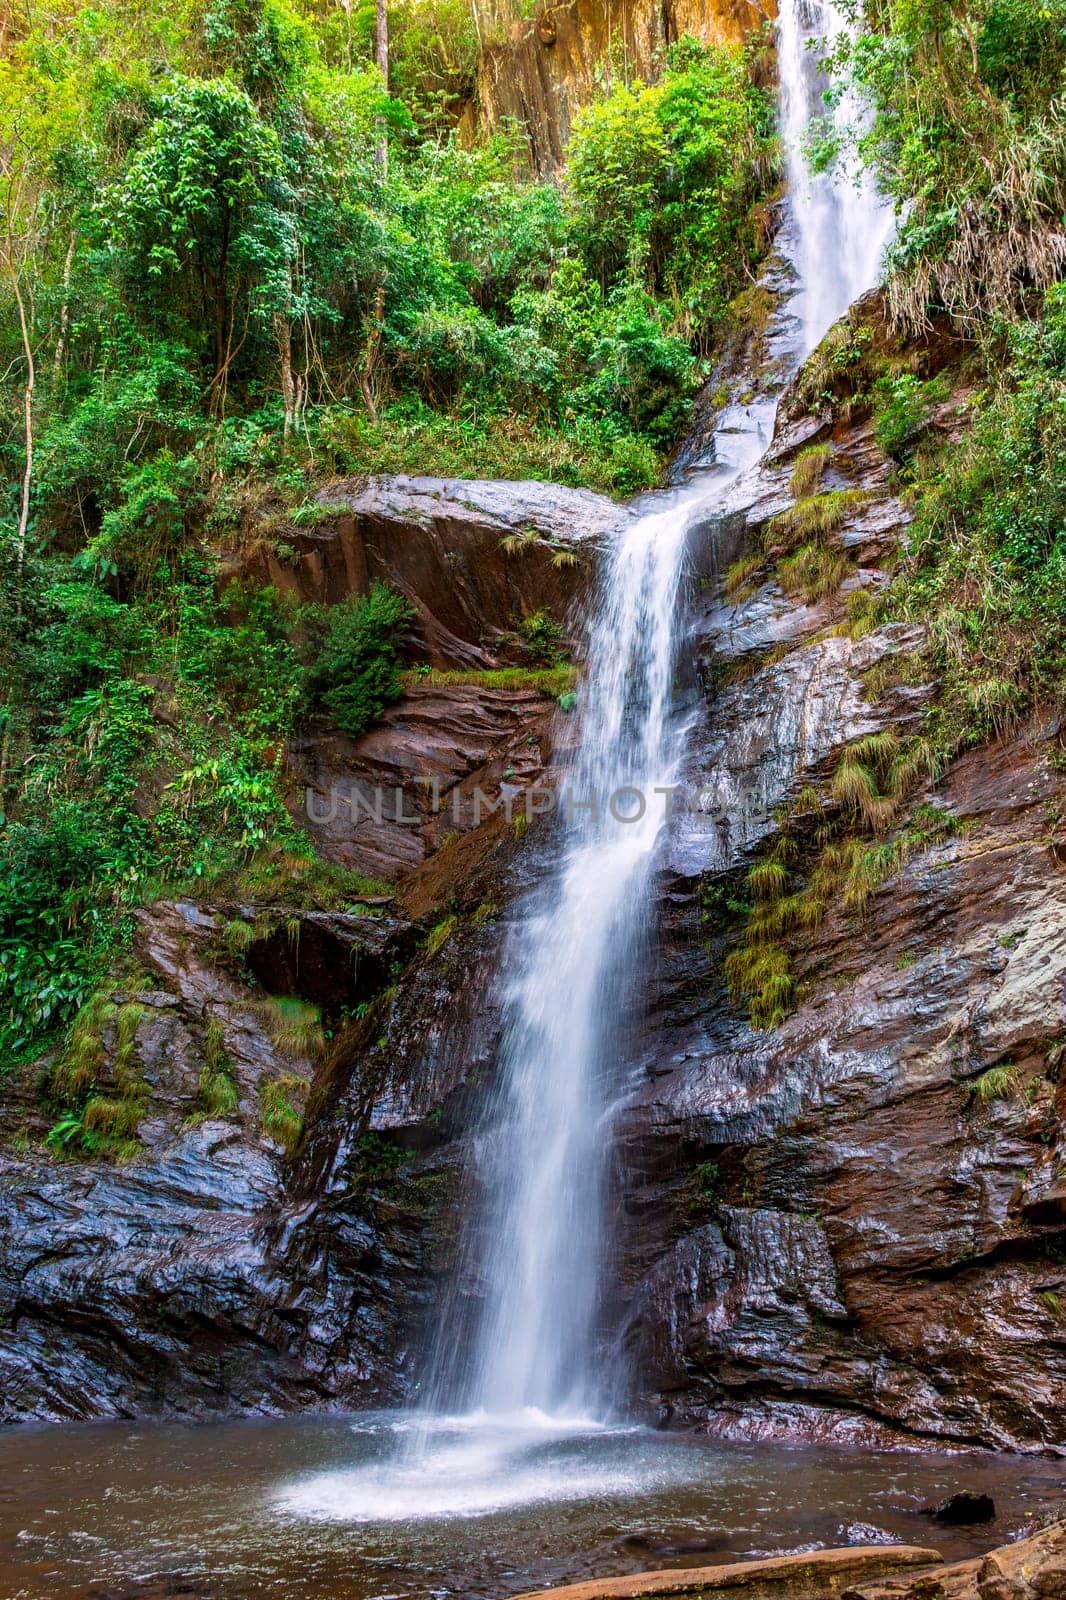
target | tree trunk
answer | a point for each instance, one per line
(283, 335)
(383, 68)
(370, 358)
(64, 312)
(27, 423)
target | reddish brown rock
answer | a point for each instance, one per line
(473, 558)
(434, 767)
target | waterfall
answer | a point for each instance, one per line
(839, 226)
(575, 950)
(531, 1369)
(572, 957)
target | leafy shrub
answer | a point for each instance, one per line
(968, 140)
(902, 409)
(358, 667)
(986, 565)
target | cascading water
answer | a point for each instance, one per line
(839, 226)
(575, 945)
(566, 968)
(566, 963)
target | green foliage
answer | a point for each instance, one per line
(280, 1109)
(699, 1196)
(295, 1026)
(482, 441)
(855, 851)
(678, 164)
(556, 680)
(814, 518)
(968, 137)
(996, 1083)
(544, 639)
(358, 665)
(986, 563)
(95, 1121)
(902, 410)
(378, 1160)
(808, 468)
(225, 290)
(217, 1094)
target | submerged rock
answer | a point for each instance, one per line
(965, 1506)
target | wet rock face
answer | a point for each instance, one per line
(852, 1226)
(181, 1282)
(430, 770)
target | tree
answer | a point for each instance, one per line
(200, 205)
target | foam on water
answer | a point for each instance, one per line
(478, 1465)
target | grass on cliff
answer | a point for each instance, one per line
(552, 681)
(832, 851)
(98, 1119)
(985, 564)
(281, 1102)
(217, 1091)
(479, 443)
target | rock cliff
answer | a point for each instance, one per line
(851, 1224)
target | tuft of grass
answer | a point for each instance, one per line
(808, 468)
(96, 1122)
(812, 519)
(289, 879)
(908, 667)
(439, 935)
(82, 1062)
(737, 582)
(997, 1083)
(762, 974)
(814, 572)
(115, 1118)
(808, 801)
(863, 613)
(237, 935)
(217, 1091)
(294, 1025)
(281, 1103)
(767, 879)
(553, 681)
(519, 544)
